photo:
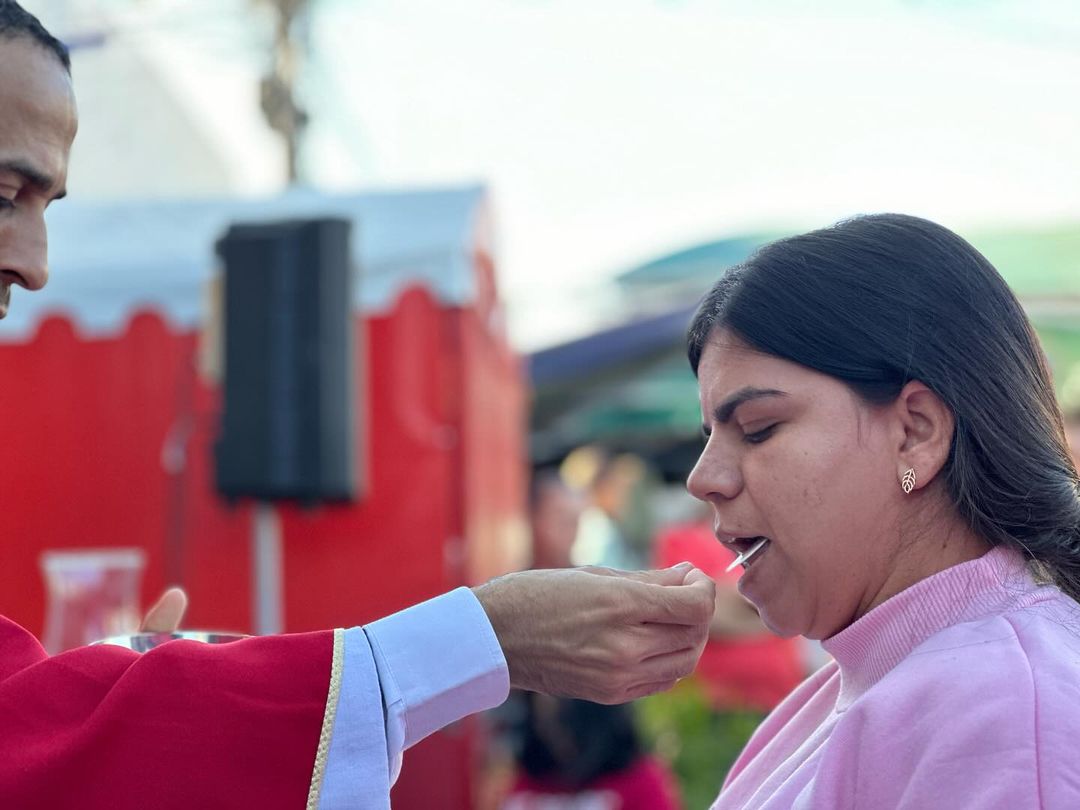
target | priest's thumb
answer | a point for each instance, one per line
(167, 613)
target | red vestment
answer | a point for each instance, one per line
(186, 725)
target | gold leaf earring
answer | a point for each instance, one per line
(907, 482)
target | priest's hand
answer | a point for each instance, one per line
(167, 612)
(599, 634)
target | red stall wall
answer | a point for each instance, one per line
(95, 426)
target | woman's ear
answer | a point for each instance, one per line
(927, 425)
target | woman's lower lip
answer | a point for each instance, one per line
(748, 584)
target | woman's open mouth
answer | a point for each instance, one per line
(754, 547)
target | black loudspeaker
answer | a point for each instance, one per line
(288, 426)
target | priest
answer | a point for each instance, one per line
(317, 720)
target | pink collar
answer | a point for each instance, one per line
(871, 646)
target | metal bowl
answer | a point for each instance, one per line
(141, 642)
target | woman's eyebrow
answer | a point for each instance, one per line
(724, 411)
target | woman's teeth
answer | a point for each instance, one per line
(743, 558)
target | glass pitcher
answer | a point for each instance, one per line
(91, 594)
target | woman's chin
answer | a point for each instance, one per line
(780, 625)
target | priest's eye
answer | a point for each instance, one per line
(759, 436)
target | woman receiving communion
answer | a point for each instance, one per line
(885, 453)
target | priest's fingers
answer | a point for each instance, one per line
(635, 692)
(167, 613)
(664, 576)
(647, 689)
(663, 639)
(667, 668)
(654, 675)
(692, 603)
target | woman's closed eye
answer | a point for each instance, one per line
(758, 436)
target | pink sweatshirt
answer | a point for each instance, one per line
(962, 692)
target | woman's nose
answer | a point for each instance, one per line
(714, 476)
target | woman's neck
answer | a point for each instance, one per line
(933, 539)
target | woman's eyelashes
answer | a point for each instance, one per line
(758, 436)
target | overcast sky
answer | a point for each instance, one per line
(612, 131)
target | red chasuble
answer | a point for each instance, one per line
(186, 725)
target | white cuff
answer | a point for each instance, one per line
(438, 662)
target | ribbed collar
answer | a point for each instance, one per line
(871, 646)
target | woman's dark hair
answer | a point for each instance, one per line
(880, 300)
(16, 22)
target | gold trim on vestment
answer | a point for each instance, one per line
(323, 751)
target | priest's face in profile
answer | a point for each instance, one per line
(38, 121)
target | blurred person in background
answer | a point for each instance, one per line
(573, 754)
(610, 481)
(577, 755)
(317, 719)
(885, 454)
(555, 510)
